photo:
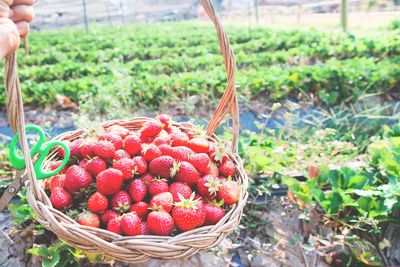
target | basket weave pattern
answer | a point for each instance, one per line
(133, 248)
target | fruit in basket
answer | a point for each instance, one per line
(157, 180)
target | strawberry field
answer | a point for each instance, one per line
(319, 139)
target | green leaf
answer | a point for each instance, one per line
(51, 260)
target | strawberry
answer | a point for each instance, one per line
(158, 186)
(119, 130)
(109, 181)
(83, 163)
(140, 165)
(104, 149)
(229, 192)
(54, 165)
(179, 188)
(199, 145)
(77, 179)
(150, 152)
(132, 144)
(115, 139)
(188, 214)
(200, 161)
(89, 219)
(313, 172)
(212, 170)
(121, 154)
(166, 150)
(165, 119)
(161, 166)
(137, 190)
(162, 139)
(74, 149)
(218, 153)
(57, 181)
(114, 225)
(86, 149)
(126, 166)
(227, 168)
(162, 201)
(108, 215)
(200, 198)
(121, 201)
(97, 203)
(141, 209)
(208, 186)
(95, 166)
(151, 128)
(146, 139)
(213, 214)
(147, 177)
(178, 138)
(160, 223)
(181, 153)
(130, 224)
(144, 228)
(185, 172)
(60, 199)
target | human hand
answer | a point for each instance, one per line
(15, 16)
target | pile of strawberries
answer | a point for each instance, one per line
(159, 180)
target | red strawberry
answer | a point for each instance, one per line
(199, 145)
(86, 149)
(165, 119)
(150, 152)
(151, 128)
(185, 172)
(77, 179)
(162, 139)
(200, 198)
(60, 199)
(146, 139)
(161, 166)
(109, 181)
(132, 144)
(313, 172)
(160, 223)
(144, 228)
(141, 209)
(57, 181)
(115, 139)
(89, 219)
(104, 149)
(229, 192)
(74, 149)
(213, 214)
(121, 201)
(140, 165)
(158, 186)
(108, 215)
(181, 153)
(97, 203)
(162, 201)
(208, 186)
(218, 153)
(200, 161)
(126, 166)
(166, 149)
(178, 138)
(95, 166)
(54, 165)
(227, 168)
(212, 170)
(130, 224)
(137, 190)
(147, 177)
(188, 214)
(121, 154)
(114, 225)
(83, 163)
(119, 130)
(179, 188)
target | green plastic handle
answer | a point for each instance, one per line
(41, 148)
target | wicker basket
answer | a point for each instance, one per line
(133, 249)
